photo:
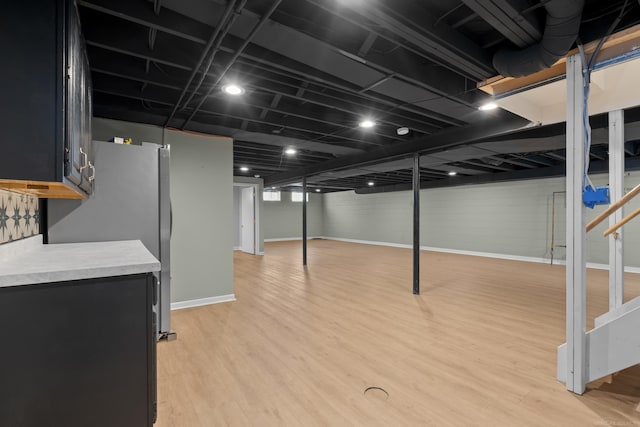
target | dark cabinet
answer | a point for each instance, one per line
(79, 162)
(45, 83)
(79, 353)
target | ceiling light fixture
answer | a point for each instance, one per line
(402, 131)
(244, 169)
(371, 183)
(290, 151)
(233, 89)
(453, 173)
(488, 106)
(317, 190)
(367, 123)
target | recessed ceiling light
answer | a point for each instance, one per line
(367, 123)
(371, 183)
(488, 106)
(317, 190)
(453, 173)
(233, 89)
(244, 169)
(402, 131)
(290, 151)
(256, 176)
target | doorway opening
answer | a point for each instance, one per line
(246, 218)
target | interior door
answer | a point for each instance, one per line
(247, 220)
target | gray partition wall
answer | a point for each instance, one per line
(507, 218)
(202, 200)
(283, 219)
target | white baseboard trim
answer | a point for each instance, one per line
(627, 269)
(240, 249)
(510, 257)
(370, 242)
(287, 239)
(237, 248)
(540, 260)
(202, 301)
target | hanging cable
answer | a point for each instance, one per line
(587, 69)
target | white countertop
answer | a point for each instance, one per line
(28, 261)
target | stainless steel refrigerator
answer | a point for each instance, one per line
(130, 202)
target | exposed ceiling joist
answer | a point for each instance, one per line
(138, 12)
(316, 68)
(505, 16)
(525, 174)
(437, 75)
(438, 142)
(421, 30)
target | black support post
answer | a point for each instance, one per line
(304, 220)
(416, 224)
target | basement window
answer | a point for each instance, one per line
(271, 196)
(297, 197)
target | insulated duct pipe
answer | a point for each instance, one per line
(560, 32)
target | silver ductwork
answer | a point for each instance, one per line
(560, 32)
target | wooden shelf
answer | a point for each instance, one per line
(616, 45)
(42, 189)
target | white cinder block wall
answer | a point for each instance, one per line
(510, 218)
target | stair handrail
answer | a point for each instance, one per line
(622, 222)
(614, 207)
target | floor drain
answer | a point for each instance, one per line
(376, 393)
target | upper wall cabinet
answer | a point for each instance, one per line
(45, 87)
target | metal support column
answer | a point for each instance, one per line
(304, 220)
(576, 235)
(616, 190)
(416, 224)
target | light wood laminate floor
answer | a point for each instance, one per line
(300, 346)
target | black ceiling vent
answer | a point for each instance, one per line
(560, 32)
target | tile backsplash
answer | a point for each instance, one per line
(19, 216)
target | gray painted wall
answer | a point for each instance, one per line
(384, 217)
(202, 200)
(283, 219)
(506, 218)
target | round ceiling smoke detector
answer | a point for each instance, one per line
(402, 131)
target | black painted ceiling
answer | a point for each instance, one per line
(313, 69)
